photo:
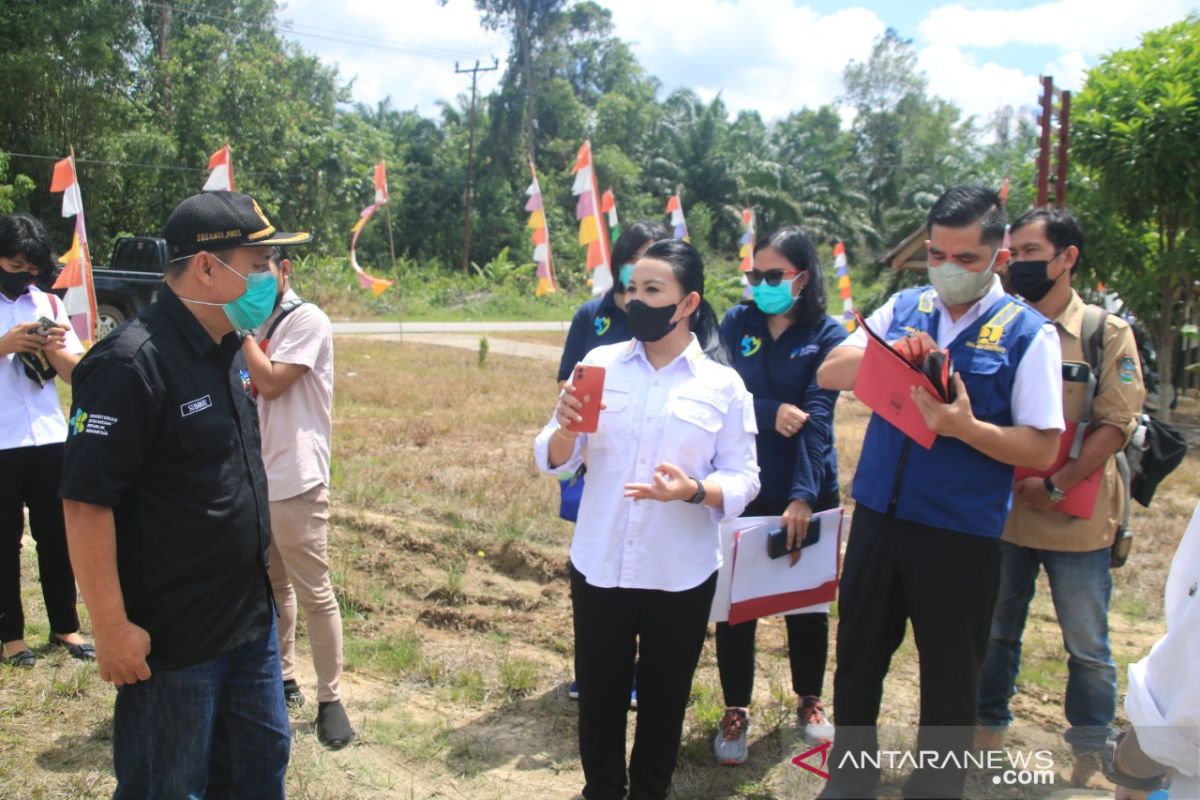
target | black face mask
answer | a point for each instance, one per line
(1029, 279)
(650, 323)
(15, 283)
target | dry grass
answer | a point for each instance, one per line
(450, 564)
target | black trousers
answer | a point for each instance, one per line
(808, 634)
(29, 478)
(945, 582)
(609, 624)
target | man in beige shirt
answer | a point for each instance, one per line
(1047, 244)
(291, 367)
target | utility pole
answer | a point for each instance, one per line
(1045, 148)
(468, 196)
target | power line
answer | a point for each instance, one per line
(313, 32)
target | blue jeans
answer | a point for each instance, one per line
(217, 729)
(1080, 585)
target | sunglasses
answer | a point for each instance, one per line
(773, 277)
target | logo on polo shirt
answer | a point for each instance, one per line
(805, 350)
(750, 345)
(95, 424)
(602, 324)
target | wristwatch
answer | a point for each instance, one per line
(1056, 494)
(1114, 775)
(698, 497)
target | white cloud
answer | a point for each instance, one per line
(775, 56)
(423, 41)
(1088, 26)
(771, 55)
(952, 39)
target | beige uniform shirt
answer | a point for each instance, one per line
(297, 427)
(1118, 402)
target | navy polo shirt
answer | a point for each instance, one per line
(804, 466)
(596, 322)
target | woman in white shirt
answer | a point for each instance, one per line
(32, 432)
(673, 456)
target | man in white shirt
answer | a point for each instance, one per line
(291, 368)
(923, 545)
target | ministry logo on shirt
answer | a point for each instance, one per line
(78, 421)
(750, 345)
(805, 350)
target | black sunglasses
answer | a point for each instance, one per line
(773, 277)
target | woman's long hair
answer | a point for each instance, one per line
(688, 268)
(794, 244)
(629, 242)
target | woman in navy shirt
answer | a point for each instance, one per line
(777, 341)
(602, 321)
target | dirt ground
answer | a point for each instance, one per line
(451, 568)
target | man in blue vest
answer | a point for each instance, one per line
(924, 542)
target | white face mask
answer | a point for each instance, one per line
(957, 285)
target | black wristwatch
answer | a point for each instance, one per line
(1056, 494)
(1114, 775)
(698, 497)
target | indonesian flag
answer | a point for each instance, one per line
(678, 223)
(608, 206)
(76, 277)
(221, 177)
(540, 235)
(591, 225)
(843, 280)
(381, 190)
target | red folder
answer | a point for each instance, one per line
(1081, 498)
(884, 383)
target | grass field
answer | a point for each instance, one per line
(450, 563)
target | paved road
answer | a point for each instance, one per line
(469, 341)
(369, 328)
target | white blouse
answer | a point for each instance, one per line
(32, 414)
(694, 413)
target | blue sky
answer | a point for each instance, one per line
(771, 55)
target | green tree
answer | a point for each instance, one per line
(1138, 134)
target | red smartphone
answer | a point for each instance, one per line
(588, 381)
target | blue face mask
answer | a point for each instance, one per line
(625, 273)
(774, 299)
(253, 307)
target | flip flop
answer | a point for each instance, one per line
(83, 652)
(23, 658)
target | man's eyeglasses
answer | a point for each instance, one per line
(773, 277)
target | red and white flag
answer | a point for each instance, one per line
(221, 177)
(76, 277)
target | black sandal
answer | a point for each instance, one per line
(23, 658)
(83, 652)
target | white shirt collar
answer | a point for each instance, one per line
(691, 354)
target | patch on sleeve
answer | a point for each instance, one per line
(95, 424)
(1126, 368)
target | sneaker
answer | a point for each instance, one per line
(573, 690)
(292, 694)
(730, 745)
(814, 725)
(333, 726)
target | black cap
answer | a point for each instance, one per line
(222, 220)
